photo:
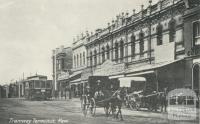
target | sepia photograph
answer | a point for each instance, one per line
(100, 61)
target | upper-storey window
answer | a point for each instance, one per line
(172, 30)
(83, 58)
(95, 57)
(80, 59)
(159, 34)
(74, 61)
(196, 33)
(141, 38)
(116, 51)
(62, 63)
(108, 51)
(103, 54)
(77, 60)
(91, 58)
(121, 49)
(133, 46)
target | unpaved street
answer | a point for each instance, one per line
(20, 111)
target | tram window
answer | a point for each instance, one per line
(182, 100)
(31, 85)
(190, 100)
(173, 101)
(48, 85)
(42, 84)
(37, 84)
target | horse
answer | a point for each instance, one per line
(115, 105)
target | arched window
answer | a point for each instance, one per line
(121, 49)
(74, 61)
(196, 33)
(172, 30)
(91, 58)
(77, 60)
(95, 57)
(159, 34)
(83, 58)
(80, 59)
(108, 51)
(103, 54)
(133, 46)
(116, 51)
(141, 38)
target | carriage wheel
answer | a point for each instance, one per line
(92, 107)
(131, 105)
(84, 105)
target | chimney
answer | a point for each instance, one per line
(127, 14)
(133, 11)
(142, 9)
(159, 5)
(149, 8)
(87, 34)
(108, 24)
(122, 15)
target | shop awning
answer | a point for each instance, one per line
(116, 76)
(75, 74)
(148, 68)
(126, 81)
(75, 81)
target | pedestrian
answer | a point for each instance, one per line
(163, 100)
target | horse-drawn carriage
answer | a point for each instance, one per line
(139, 95)
(99, 93)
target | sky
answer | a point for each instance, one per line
(31, 29)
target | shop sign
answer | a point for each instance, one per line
(109, 68)
(164, 52)
(43, 90)
(63, 76)
(196, 61)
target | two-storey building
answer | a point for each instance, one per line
(79, 54)
(62, 65)
(152, 43)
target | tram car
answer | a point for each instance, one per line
(38, 89)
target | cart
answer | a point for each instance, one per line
(98, 94)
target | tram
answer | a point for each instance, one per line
(38, 89)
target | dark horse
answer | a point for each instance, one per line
(114, 105)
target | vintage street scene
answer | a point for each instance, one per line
(100, 62)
